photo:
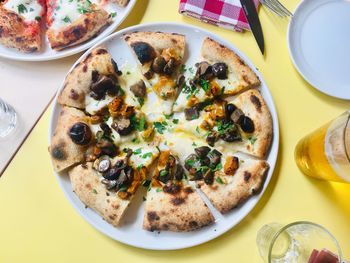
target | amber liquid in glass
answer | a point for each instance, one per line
(323, 153)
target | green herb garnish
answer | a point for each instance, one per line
(219, 180)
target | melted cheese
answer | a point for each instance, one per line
(230, 84)
(31, 10)
(93, 106)
(143, 154)
(130, 76)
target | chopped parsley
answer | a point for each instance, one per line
(183, 68)
(159, 190)
(38, 18)
(22, 9)
(204, 84)
(194, 144)
(94, 191)
(160, 126)
(219, 180)
(252, 140)
(168, 116)
(139, 124)
(114, 14)
(217, 167)
(123, 189)
(163, 173)
(141, 101)
(197, 130)
(146, 155)
(137, 151)
(66, 19)
(146, 183)
(139, 167)
(135, 140)
(224, 126)
(175, 121)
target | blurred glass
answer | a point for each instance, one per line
(325, 153)
(8, 119)
(297, 242)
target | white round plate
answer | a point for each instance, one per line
(49, 54)
(319, 45)
(131, 232)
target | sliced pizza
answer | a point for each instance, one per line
(73, 22)
(71, 139)
(171, 203)
(241, 124)
(107, 185)
(20, 24)
(93, 82)
(220, 72)
(160, 57)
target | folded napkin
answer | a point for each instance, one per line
(224, 13)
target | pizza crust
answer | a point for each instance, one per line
(81, 30)
(78, 81)
(254, 106)
(184, 211)
(64, 152)
(87, 186)
(214, 52)
(16, 33)
(246, 181)
(121, 3)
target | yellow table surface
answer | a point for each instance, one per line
(38, 224)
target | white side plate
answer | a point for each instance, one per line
(319, 45)
(49, 54)
(131, 231)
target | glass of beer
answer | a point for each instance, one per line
(325, 153)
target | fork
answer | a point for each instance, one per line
(276, 7)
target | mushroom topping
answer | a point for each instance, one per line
(209, 177)
(170, 67)
(231, 134)
(123, 126)
(236, 115)
(220, 70)
(179, 172)
(115, 67)
(113, 173)
(229, 109)
(246, 124)
(202, 151)
(158, 64)
(143, 51)
(180, 81)
(102, 164)
(231, 165)
(212, 138)
(107, 147)
(106, 129)
(204, 71)
(101, 86)
(215, 157)
(191, 113)
(139, 89)
(164, 176)
(192, 161)
(80, 133)
(110, 184)
(149, 74)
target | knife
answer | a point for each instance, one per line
(254, 22)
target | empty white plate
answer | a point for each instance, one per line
(319, 45)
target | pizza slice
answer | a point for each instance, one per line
(243, 123)
(20, 24)
(73, 22)
(172, 204)
(107, 185)
(220, 73)
(92, 84)
(71, 139)
(160, 57)
(225, 178)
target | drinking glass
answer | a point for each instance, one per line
(325, 153)
(8, 119)
(296, 242)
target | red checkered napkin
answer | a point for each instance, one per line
(224, 13)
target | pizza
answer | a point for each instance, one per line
(171, 131)
(68, 23)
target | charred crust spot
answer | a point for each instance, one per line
(84, 166)
(143, 51)
(172, 189)
(18, 39)
(177, 201)
(107, 194)
(193, 224)
(101, 51)
(115, 206)
(165, 226)
(255, 100)
(152, 216)
(58, 153)
(73, 95)
(188, 190)
(247, 176)
(85, 68)
(111, 217)
(127, 38)
(88, 186)
(174, 41)
(87, 58)
(108, 201)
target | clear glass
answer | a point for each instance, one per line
(325, 153)
(8, 119)
(295, 242)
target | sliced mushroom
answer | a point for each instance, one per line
(112, 174)
(80, 133)
(202, 151)
(102, 164)
(231, 165)
(215, 157)
(179, 173)
(110, 184)
(191, 113)
(209, 177)
(170, 67)
(180, 81)
(212, 138)
(101, 86)
(236, 115)
(192, 161)
(204, 71)
(164, 176)
(246, 124)
(139, 89)
(148, 74)
(220, 70)
(106, 129)
(229, 109)
(231, 134)
(123, 126)
(158, 64)
(144, 51)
